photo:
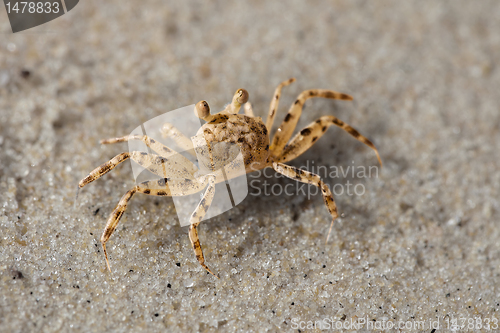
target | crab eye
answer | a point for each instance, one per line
(242, 96)
(202, 110)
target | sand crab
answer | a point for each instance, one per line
(181, 177)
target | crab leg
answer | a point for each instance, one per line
(288, 125)
(275, 102)
(161, 187)
(310, 178)
(169, 130)
(114, 218)
(310, 134)
(158, 147)
(196, 218)
(103, 169)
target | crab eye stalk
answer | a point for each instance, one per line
(241, 96)
(202, 110)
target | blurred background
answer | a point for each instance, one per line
(420, 244)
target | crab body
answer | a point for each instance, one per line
(228, 145)
(248, 134)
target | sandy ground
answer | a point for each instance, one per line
(421, 243)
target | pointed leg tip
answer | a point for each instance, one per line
(330, 230)
(216, 275)
(287, 82)
(209, 271)
(107, 263)
(106, 256)
(378, 155)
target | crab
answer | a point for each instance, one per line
(180, 177)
